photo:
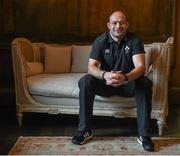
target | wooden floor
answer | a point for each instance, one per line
(36, 124)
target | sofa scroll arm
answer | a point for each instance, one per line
(161, 71)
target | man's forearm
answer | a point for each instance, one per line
(96, 72)
(135, 73)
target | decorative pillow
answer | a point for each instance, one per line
(33, 68)
(80, 58)
(57, 59)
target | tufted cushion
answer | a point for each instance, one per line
(33, 68)
(80, 57)
(57, 59)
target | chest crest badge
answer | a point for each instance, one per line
(127, 49)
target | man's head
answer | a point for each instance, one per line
(117, 25)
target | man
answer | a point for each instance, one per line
(116, 67)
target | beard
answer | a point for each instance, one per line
(118, 34)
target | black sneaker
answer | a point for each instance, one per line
(81, 137)
(146, 143)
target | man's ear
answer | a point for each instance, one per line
(127, 24)
(108, 25)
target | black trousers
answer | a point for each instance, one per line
(141, 88)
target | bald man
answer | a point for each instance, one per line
(116, 67)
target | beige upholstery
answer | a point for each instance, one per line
(57, 59)
(58, 92)
(33, 68)
(80, 57)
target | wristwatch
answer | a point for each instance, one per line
(104, 72)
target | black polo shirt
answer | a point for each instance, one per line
(116, 56)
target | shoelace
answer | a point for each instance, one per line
(84, 134)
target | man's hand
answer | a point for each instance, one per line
(114, 78)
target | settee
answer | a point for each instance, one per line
(46, 80)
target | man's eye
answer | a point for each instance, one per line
(120, 23)
(114, 23)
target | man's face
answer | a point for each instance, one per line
(118, 25)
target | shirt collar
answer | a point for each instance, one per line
(110, 40)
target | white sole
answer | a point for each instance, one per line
(86, 139)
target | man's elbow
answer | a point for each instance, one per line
(143, 69)
(89, 70)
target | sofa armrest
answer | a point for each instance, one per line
(161, 69)
(19, 58)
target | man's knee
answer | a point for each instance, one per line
(144, 82)
(86, 80)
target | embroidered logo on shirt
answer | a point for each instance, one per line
(126, 49)
(107, 51)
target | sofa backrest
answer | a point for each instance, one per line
(55, 58)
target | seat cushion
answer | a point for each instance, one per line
(59, 86)
(55, 85)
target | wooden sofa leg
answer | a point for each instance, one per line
(161, 125)
(19, 117)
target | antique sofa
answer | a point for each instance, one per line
(46, 80)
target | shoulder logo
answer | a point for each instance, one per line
(107, 51)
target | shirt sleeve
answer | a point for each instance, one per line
(96, 52)
(138, 46)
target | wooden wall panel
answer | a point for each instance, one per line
(41, 19)
(148, 18)
(174, 91)
(78, 20)
(176, 71)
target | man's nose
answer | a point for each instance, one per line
(118, 24)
